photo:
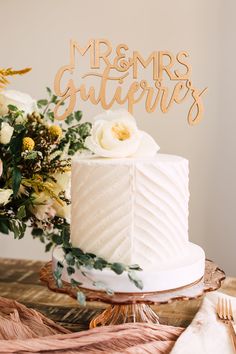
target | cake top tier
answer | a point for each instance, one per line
(115, 134)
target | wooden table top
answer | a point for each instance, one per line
(19, 280)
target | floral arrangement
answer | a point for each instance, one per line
(35, 162)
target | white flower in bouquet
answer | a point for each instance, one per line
(22, 101)
(5, 195)
(63, 183)
(115, 134)
(63, 210)
(6, 131)
(42, 206)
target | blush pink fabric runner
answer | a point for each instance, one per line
(23, 330)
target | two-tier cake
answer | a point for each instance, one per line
(130, 205)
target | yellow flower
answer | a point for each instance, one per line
(55, 131)
(28, 143)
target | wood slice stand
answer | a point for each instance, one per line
(135, 307)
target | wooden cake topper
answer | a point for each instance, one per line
(118, 67)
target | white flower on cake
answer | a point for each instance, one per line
(22, 101)
(6, 131)
(115, 134)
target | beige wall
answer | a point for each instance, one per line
(37, 34)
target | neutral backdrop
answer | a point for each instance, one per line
(37, 33)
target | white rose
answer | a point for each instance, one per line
(22, 101)
(6, 131)
(115, 134)
(5, 196)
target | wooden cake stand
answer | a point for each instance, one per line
(135, 307)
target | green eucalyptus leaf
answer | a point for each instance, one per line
(100, 264)
(134, 279)
(109, 291)
(48, 247)
(118, 268)
(70, 270)
(70, 260)
(57, 239)
(75, 283)
(81, 298)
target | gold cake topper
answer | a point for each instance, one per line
(117, 67)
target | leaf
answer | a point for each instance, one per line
(16, 143)
(69, 119)
(75, 283)
(12, 108)
(37, 232)
(109, 291)
(4, 226)
(81, 298)
(57, 274)
(118, 268)
(21, 213)
(48, 247)
(69, 259)
(78, 115)
(135, 267)
(17, 227)
(54, 99)
(42, 103)
(16, 180)
(100, 264)
(134, 279)
(70, 270)
(57, 239)
(49, 91)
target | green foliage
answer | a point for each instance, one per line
(16, 180)
(21, 213)
(75, 258)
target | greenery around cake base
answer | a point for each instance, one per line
(75, 259)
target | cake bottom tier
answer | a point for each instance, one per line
(176, 273)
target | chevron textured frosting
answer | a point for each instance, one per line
(131, 210)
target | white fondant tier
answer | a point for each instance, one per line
(175, 273)
(131, 210)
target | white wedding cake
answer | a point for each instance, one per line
(130, 205)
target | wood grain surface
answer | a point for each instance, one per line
(19, 280)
